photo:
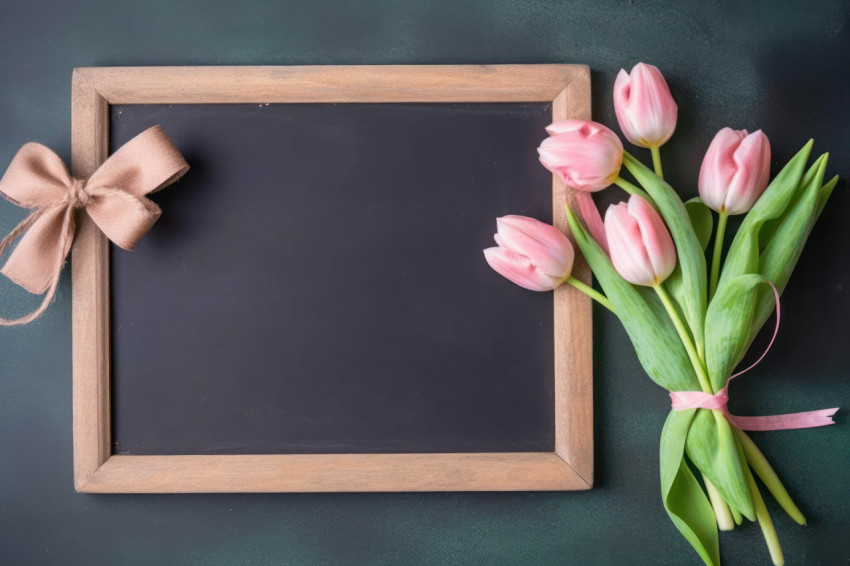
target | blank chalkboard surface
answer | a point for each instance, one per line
(316, 284)
(313, 311)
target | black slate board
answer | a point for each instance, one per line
(316, 284)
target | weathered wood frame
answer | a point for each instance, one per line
(97, 470)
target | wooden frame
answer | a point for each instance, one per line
(97, 470)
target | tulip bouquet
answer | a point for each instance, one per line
(690, 323)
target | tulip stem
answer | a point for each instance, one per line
(765, 472)
(765, 522)
(725, 522)
(591, 292)
(656, 161)
(718, 252)
(696, 361)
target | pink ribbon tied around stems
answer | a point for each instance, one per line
(114, 197)
(684, 400)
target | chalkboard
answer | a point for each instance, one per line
(316, 284)
(316, 287)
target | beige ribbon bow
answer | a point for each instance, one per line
(113, 197)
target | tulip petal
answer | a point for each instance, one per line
(626, 246)
(719, 167)
(519, 269)
(587, 128)
(644, 106)
(655, 236)
(735, 170)
(622, 91)
(653, 110)
(585, 155)
(752, 172)
(564, 126)
(545, 245)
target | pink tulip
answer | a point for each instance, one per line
(645, 108)
(642, 250)
(735, 170)
(586, 155)
(532, 254)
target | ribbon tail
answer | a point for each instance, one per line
(790, 421)
(40, 239)
(67, 236)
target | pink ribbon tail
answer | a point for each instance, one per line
(684, 400)
(789, 421)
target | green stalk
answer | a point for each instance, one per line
(722, 513)
(591, 292)
(696, 361)
(718, 251)
(656, 161)
(766, 524)
(765, 472)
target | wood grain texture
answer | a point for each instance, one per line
(569, 467)
(334, 472)
(90, 291)
(573, 318)
(390, 83)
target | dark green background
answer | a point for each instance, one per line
(777, 65)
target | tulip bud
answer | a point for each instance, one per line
(586, 155)
(642, 250)
(735, 170)
(645, 108)
(532, 254)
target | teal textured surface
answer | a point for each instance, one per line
(782, 67)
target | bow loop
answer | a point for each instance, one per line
(142, 166)
(123, 217)
(113, 197)
(36, 177)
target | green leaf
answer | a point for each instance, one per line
(683, 498)
(702, 220)
(691, 257)
(779, 257)
(712, 448)
(727, 326)
(743, 255)
(825, 193)
(653, 336)
(769, 228)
